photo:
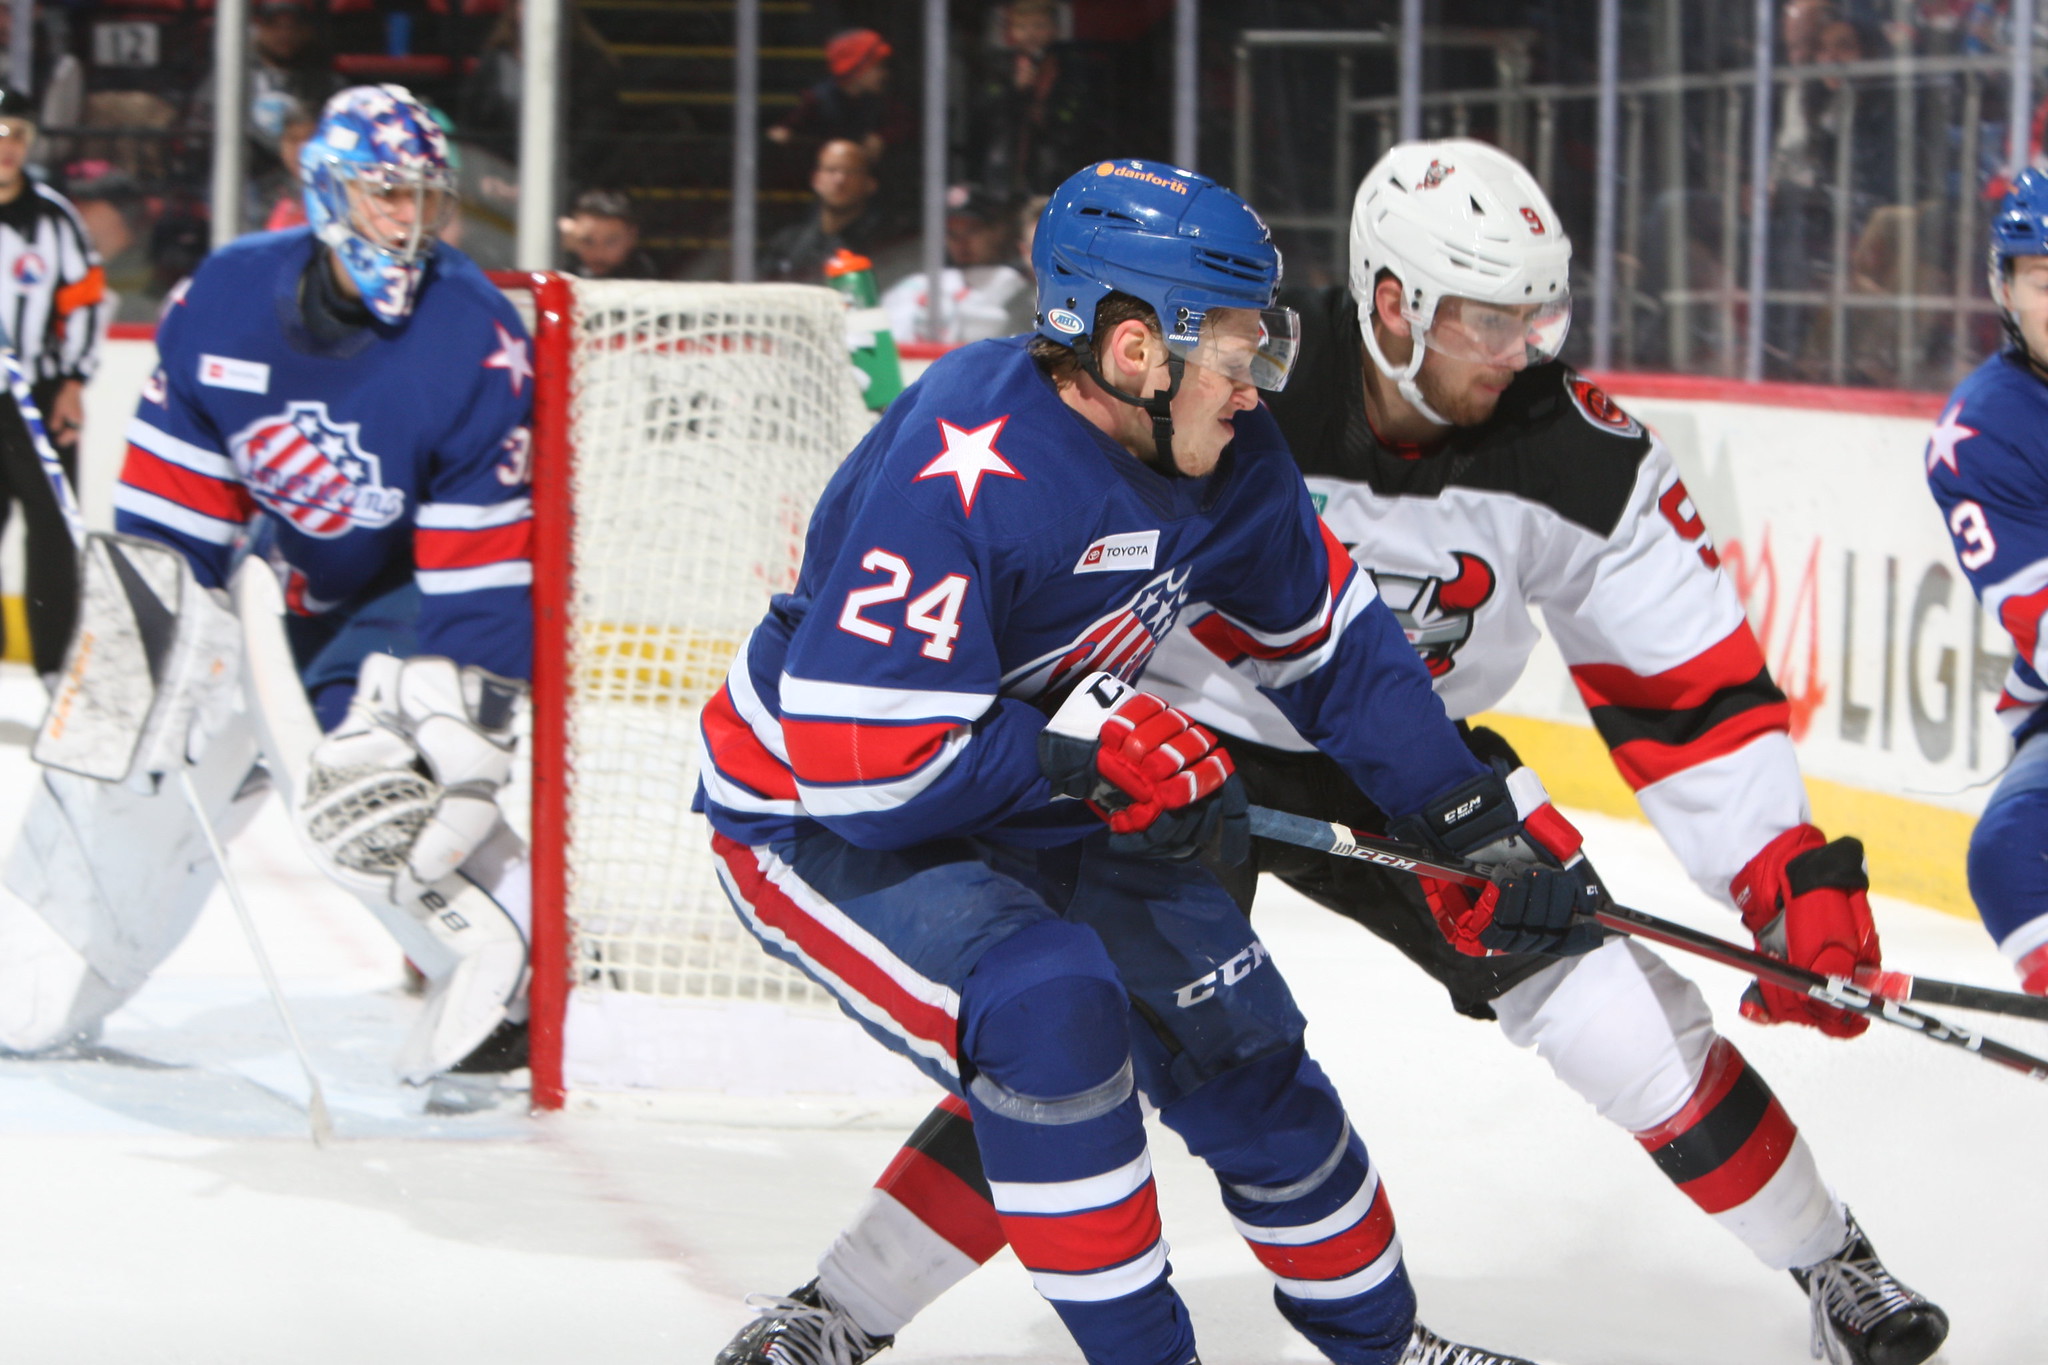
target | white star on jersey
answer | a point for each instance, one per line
(511, 357)
(969, 455)
(1942, 442)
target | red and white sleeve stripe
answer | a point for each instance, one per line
(855, 749)
(184, 487)
(463, 547)
(2020, 602)
(1279, 658)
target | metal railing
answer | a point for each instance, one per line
(1685, 148)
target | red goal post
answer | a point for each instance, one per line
(681, 433)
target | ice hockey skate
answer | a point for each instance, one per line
(803, 1327)
(1427, 1348)
(1862, 1315)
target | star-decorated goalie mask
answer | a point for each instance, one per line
(379, 190)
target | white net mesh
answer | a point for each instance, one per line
(706, 420)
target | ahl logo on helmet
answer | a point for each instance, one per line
(1434, 176)
(1066, 321)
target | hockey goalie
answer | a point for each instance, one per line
(337, 431)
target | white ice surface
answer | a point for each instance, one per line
(159, 1200)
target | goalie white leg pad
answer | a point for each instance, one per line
(479, 928)
(102, 884)
(42, 979)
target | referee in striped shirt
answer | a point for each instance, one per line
(53, 306)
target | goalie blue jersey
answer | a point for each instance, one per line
(1987, 465)
(985, 548)
(399, 455)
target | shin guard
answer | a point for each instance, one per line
(1304, 1195)
(1043, 1025)
(1635, 1038)
(925, 1227)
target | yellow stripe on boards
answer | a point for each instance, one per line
(1916, 851)
(15, 612)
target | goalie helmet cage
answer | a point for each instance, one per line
(681, 434)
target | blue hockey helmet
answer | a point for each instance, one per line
(379, 189)
(1176, 240)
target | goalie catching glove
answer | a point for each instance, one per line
(1544, 891)
(406, 787)
(1807, 901)
(1160, 781)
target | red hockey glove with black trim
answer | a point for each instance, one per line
(1807, 901)
(1160, 781)
(1544, 891)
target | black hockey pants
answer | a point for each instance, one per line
(1388, 903)
(52, 586)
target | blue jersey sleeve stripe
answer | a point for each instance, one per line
(168, 514)
(516, 573)
(462, 516)
(856, 701)
(196, 458)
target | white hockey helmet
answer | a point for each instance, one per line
(1459, 219)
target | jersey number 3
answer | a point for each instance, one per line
(1973, 532)
(935, 613)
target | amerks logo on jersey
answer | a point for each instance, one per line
(312, 471)
(1118, 643)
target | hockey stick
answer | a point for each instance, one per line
(39, 437)
(1837, 991)
(74, 521)
(316, 1101)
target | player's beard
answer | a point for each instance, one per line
(1463, 396)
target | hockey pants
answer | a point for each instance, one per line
(2009, 864)
(1044, 989)
(1618, 1025)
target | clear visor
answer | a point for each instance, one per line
(400, 210)
(1513, 335)
(1246, 345)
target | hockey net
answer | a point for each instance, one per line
(682, 433)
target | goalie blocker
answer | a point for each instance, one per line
(111, 868)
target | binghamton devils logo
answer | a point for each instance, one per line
(1601, 410)
(312, 471)
(1436, 613)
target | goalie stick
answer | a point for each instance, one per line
(317, 1117)
(1838, 991)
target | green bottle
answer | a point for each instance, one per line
(867, 328)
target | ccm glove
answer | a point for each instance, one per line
(1807, 901)
(1544, 891)
(1160, 781)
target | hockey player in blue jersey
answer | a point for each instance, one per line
(909, 770)
(1987, 464)
(348, 402)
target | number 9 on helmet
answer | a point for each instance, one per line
(1483, 262)
(379, 189)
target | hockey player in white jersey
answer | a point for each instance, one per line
(339, 410)
(1476, 478)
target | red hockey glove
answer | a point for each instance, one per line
(1160, 781)
(1807, 901)
(1544, 890)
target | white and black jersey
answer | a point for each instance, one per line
(53, 291)
(1563, 503)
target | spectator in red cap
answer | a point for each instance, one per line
(853, 103)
